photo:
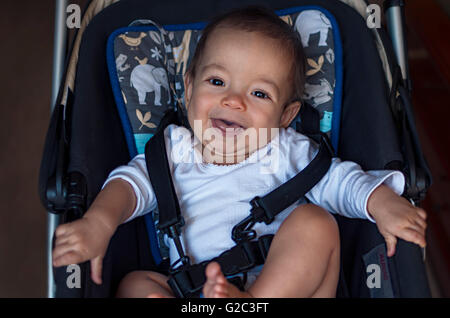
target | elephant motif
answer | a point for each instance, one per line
(181, 52)
(120, 63)
(318, 94)
(326, 121)
(147, 78)
(310, 22)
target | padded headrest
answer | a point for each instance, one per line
(147, 63)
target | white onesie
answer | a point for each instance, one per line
(214, 198)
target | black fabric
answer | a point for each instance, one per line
(97, 144)
(311, 126)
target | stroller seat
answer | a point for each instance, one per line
(131, 62)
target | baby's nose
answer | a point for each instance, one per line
(234, 100)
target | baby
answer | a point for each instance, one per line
(247, 74)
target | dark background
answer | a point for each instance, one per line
(26, 55)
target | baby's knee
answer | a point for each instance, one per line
(316, 220)
(131, 282)
(311, 212)
(127, 283)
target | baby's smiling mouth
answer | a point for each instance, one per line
(227, 127)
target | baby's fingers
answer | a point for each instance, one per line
(422, 224)
(62, 230)
(414, 225)
(70, 257)
(391, 241)
(62, 240)
(413, 236)
(67, 253)
(422, 213)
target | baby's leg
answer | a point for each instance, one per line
(140, 284)
(303, 260)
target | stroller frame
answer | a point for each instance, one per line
(59, 49)
(394, 10)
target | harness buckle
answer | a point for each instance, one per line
(187, 281)
(259, 212)
(243, 230)
(240, 258)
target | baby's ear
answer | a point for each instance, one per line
(289, 113)
(187, 79)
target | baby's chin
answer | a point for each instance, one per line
(231, 145)
(217, 148)
(226, 153)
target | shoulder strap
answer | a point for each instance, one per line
(264, 209)
(170, 218)
(305, 180)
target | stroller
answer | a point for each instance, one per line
(102, 118)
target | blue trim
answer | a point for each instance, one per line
(338, 71)
(169, 27)
(153, 239)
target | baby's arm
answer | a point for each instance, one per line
(375, 195)
(88, 238)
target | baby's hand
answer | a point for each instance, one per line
(396, 217)
(82, 240)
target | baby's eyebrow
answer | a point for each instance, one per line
(213, 65)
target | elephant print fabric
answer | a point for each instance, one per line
(150, 65)
(315, 30)
(144, 59)
(142, 75)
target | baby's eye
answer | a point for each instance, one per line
(260, 94)
(216, 82)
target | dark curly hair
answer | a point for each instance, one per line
(264, 21)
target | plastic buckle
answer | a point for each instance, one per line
(242, 257)
(173, 284)
(238, 281)
(264, 245)
(246, 247)
(189, 286)
(243, 230)
(259, 213)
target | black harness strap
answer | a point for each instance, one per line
(171, 220)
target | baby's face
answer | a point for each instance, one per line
(241, 84)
